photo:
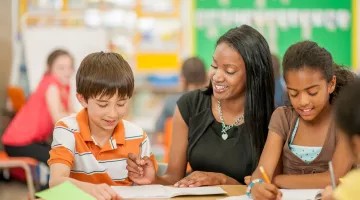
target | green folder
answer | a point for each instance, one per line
(64, 191)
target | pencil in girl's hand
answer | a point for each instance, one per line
(267, 180)
(332, 175)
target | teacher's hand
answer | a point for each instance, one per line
(199, 178)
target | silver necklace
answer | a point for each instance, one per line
(225, 127)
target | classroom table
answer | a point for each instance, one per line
(232, 190)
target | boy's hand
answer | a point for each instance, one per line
(265, 191)
(100, 191)
(140, 171)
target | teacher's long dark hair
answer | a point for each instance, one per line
(259, 100)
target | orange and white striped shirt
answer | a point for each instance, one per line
(74, 146)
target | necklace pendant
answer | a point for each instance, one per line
(224, 136)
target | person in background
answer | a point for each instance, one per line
(29, 132)
(193, 76)
(302, 137)
(347, 118)
(280, 94)
(220, 130)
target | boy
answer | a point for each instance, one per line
(90, 148)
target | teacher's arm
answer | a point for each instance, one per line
(177, 158)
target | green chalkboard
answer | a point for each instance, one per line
(215, 17)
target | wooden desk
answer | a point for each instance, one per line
(232, 190)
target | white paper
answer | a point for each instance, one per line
(287, 195)
(159, 191)
(309, 194)
(243, 197)
(292, 16)
(316, 18)
(343, 18)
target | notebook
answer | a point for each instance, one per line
(314, 194)
(160, 191)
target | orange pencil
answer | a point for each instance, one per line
(267, 180)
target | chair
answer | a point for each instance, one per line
(17, 97)
(167, 138)
(7, 162)
(167, 141)
(161, 169)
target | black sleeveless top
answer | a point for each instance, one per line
(207, 151)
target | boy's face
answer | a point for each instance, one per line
(105, 112)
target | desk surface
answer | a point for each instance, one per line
(232, 190)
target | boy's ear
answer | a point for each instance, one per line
(81, 100)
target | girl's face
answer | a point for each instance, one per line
(62, 68)
(309, 91)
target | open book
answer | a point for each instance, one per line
(314, 194)
(159, 191)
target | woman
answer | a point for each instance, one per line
(221, 130)
(32, 126)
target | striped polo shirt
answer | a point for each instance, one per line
(74, 146)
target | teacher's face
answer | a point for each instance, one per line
(227, 73)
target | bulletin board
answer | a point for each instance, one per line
(158, 44)
(330, 23)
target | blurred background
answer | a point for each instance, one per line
(155, 36)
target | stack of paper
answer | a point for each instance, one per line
(159, 191)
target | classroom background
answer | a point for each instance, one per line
(155, 36)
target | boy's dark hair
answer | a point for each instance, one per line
(309, 54)
(347, 109)
(54, 55)
(104, 74)
(193, 70)
(259, 97)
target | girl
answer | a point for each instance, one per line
(29, 131)
(302, 137)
